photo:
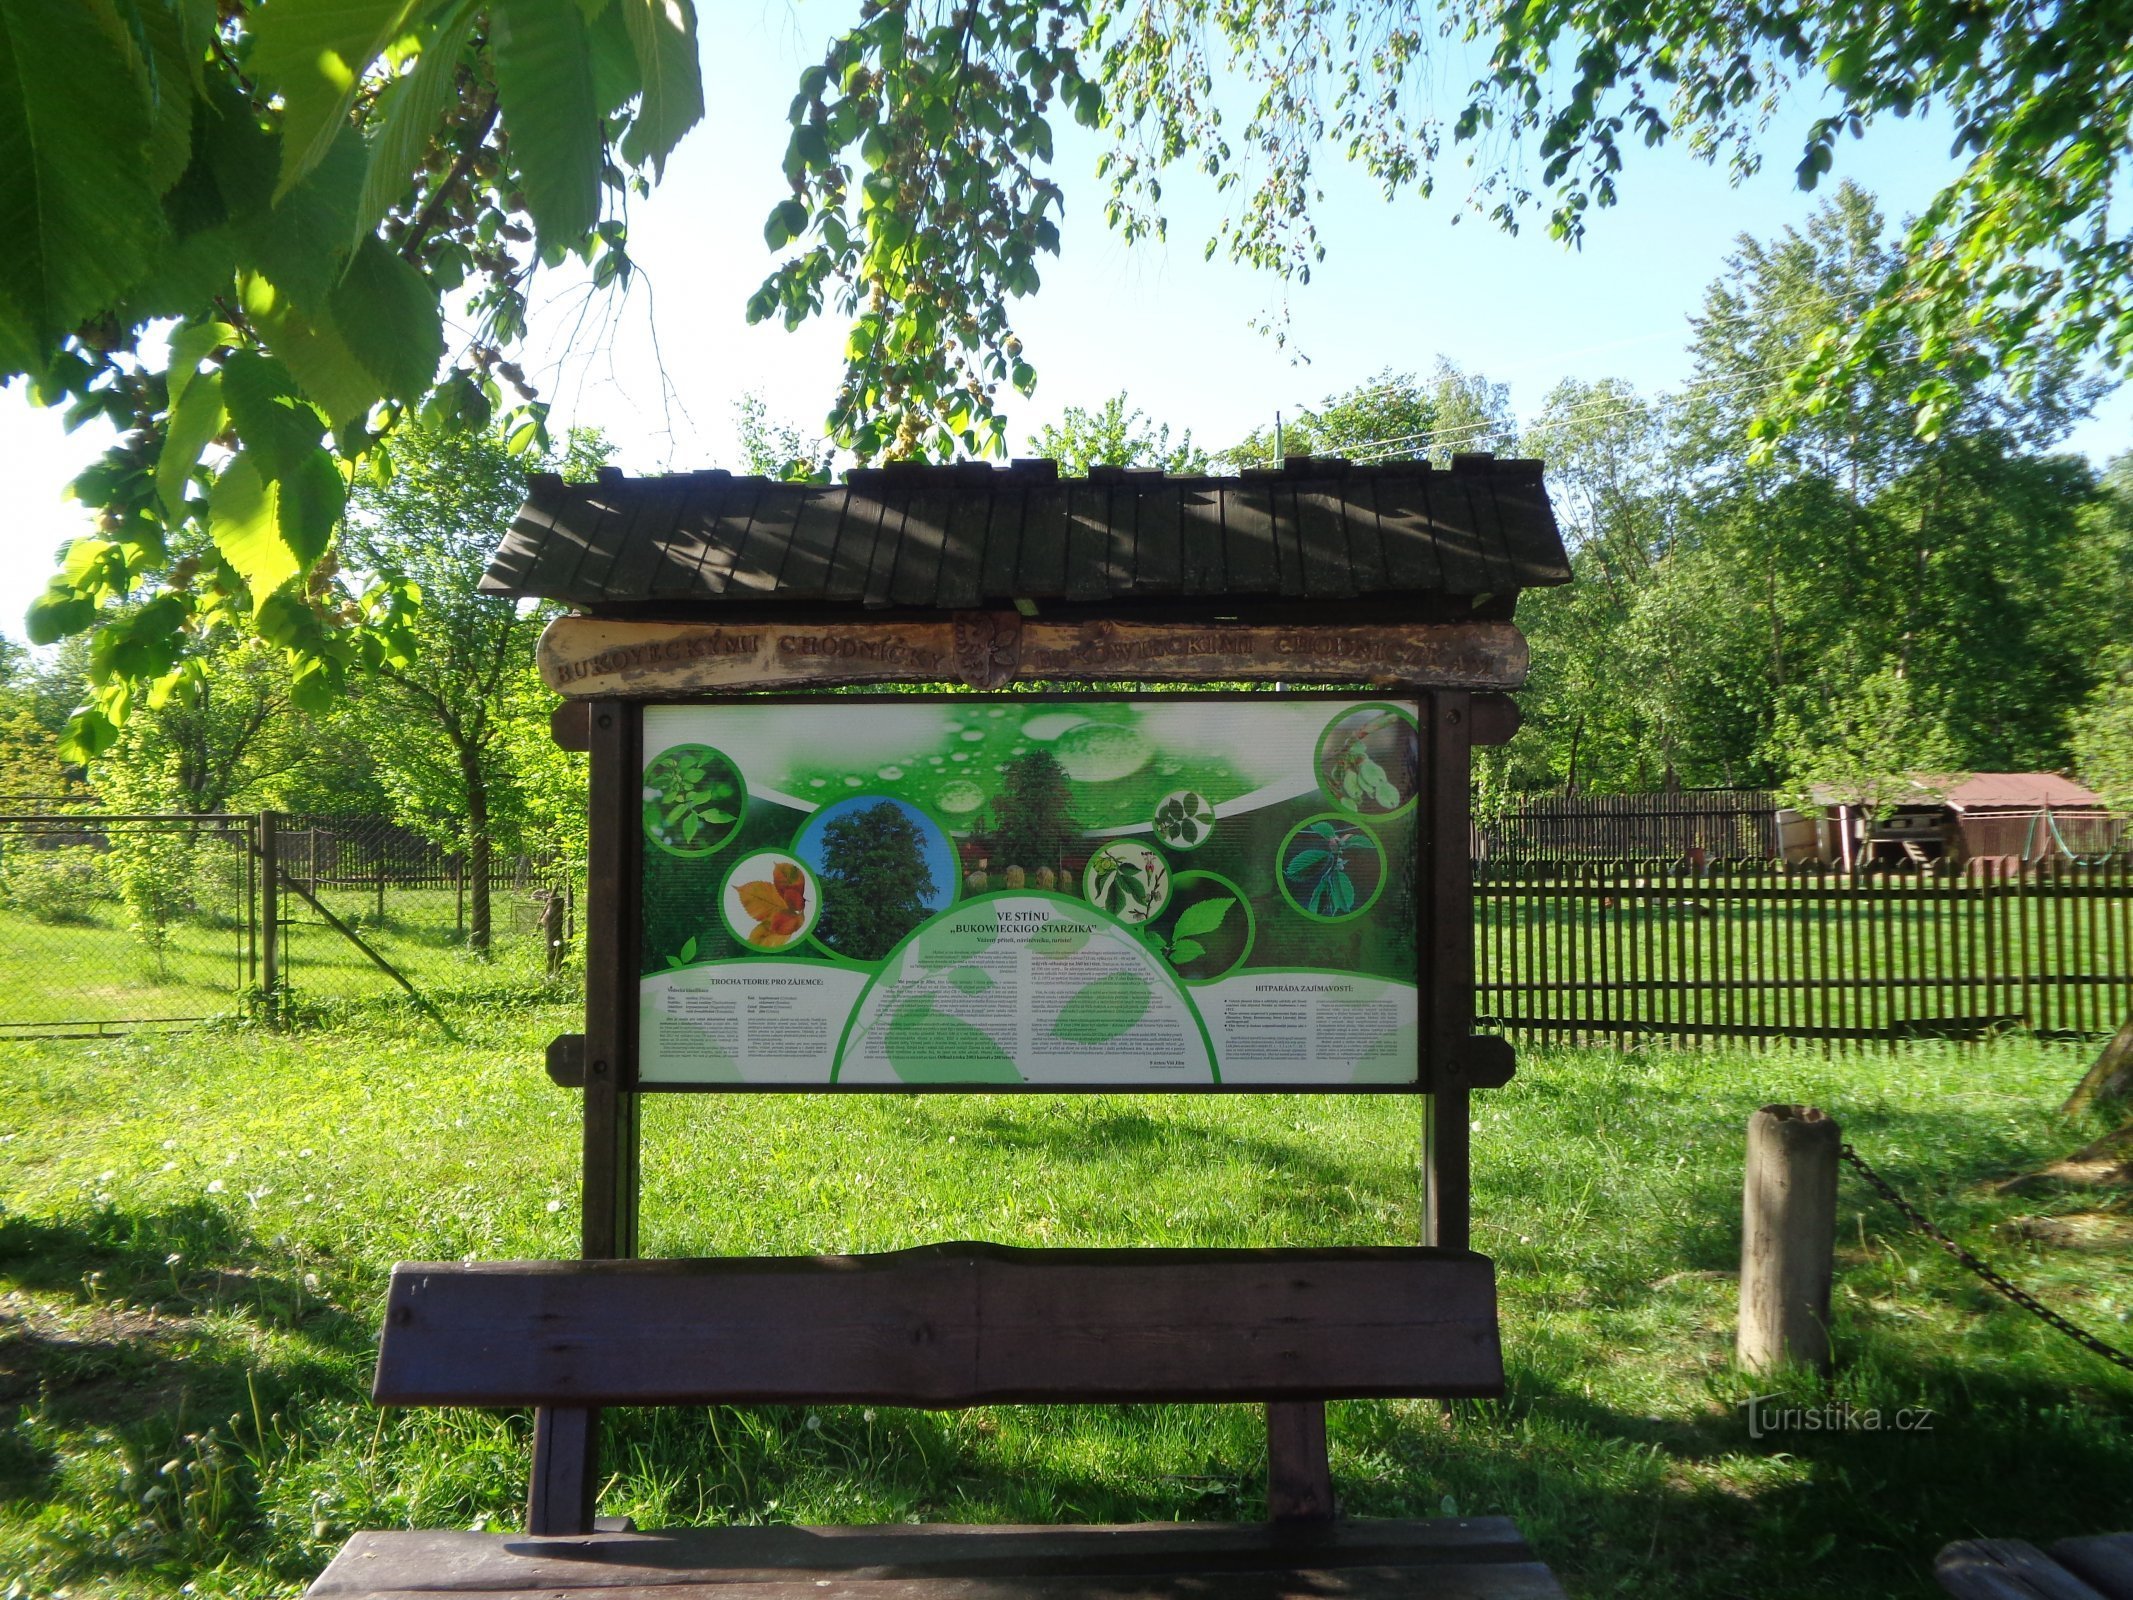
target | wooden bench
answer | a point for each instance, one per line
(941, 1327)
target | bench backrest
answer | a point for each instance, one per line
(943, 1326)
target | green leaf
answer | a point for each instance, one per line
(1304, 860)
(663, 34)
(544, 81)
(1203, 916)
(315, 52)
(58, 613)
(197, 417)
(89, 734)
(278, 425)
(928, 1046)
(408, 117)
(243, 519)
(310, 501)
(314, 352)
(1186, 950)
(390, 311)
(166, 41)
(787, 220)
(80, 216)
(189, 345)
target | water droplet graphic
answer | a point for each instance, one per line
(891, 773)
(1048, 725)
(851, 783)
(961, 797)
(1099, 752)
(974, 734)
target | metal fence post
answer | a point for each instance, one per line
(270, 914)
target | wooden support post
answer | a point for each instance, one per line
(1788, 1238)
(566, 1445)
(1445, 902)
(270, 915)
(381, 891)
(1299, 1483)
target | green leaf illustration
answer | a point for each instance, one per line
(971, 980)
(928, 1046)
(1305, 860)
(1186, 950)
(1103, 1010)
(1203, 917)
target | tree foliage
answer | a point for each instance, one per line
(1860, 598)
(439, 723)
(1115, 434)
(234, 226)
(2019, 260)
(1033, 818)
(875, 882)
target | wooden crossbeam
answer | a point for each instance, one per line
(945, 1326)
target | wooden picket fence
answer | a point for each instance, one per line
(1758, 951)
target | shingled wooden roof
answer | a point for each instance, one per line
(971, 535)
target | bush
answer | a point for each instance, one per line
(59, 885)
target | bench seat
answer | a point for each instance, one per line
(1474, 1558)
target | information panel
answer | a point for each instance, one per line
(1121, 893)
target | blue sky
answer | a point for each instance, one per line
(1402, 284)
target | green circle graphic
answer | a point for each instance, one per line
(1354, 768)
(1122, 852)
(1336, 833)
(1181, 825)
(1181, 902)
(800, 936)
(694, 799)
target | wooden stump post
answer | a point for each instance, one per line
(1788, 1238)
(552, 930)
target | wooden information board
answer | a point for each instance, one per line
(1104, 892)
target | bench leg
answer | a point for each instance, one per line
(1299, 1483)
(566, 1449)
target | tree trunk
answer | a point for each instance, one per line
(2110, 1080)
(478, 851)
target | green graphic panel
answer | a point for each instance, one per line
(989, 891)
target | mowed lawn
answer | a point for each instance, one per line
(197, 1229)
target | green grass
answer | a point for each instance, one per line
(196, 1232)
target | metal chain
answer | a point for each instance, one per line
(2021, 1297)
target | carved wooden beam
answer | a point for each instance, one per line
(588, 657)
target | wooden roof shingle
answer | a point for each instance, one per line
(964, 536)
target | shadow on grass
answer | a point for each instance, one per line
(142, 1330)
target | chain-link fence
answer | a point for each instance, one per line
(362, 893)
(109, 923)
(116, 922)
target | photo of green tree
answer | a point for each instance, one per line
(1034, 823)
(877, 883)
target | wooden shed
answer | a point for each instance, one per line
(2007, 816)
